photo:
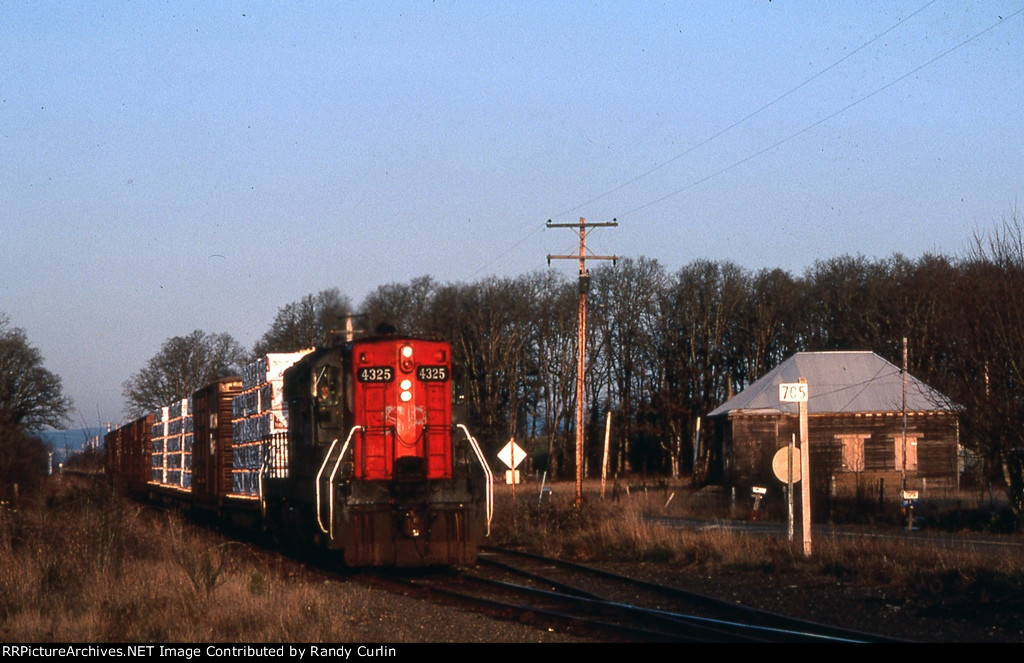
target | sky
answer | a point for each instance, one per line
(171, 166)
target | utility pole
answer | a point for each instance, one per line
(581, 333)
(903, 469)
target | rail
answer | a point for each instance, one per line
(487, 472)
(334, 472)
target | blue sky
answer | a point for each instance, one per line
(174, 166)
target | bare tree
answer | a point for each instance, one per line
(31, 397)
(626, 325)
(769, 325)
(305, 323)
(700, 318)
(183, 365)
(552, 376)
(987, 346)
(487, 324)
(403, 306)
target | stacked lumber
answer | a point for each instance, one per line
(171, 440)
(260, 423)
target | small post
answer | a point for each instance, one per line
(789, 488)
(604, 460)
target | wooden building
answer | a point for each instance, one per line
(855, 424)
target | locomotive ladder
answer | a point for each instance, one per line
(330, 481)
(487, 472)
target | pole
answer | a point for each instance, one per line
(581, 364)
(903, 470)
(789, 487)
(805, 477)
(581, 338)
(604, 459)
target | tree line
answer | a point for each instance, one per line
(666, 347)
(31, 399)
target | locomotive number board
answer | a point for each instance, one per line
(376, 374)
(432, 373)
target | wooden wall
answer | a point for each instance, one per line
(842, 444)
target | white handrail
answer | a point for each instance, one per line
(487, 472)
(320, 473)
(334, 473)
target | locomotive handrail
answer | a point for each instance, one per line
(266, 467)
(334, 473)
(487, 472)
(334, 470)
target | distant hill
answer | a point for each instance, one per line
(72, 441)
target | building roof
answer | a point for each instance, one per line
(838, 383)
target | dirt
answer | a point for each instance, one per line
(870, 609)
(874, 609)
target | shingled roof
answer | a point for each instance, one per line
(838, 382)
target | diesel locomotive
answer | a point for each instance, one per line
(356, 447)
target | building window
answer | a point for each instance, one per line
(897, 442)
(853, 452)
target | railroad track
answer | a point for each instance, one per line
(592, 603)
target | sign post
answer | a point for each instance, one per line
(512, 454)
(786, 466)
(797, 392)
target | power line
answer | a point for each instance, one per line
(827, 117)
(704, 142)
(759, 110)
(751, 114)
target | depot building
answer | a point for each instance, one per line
(858, 438)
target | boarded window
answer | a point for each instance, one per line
(853, 452)
(897, 441)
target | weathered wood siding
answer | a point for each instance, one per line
(841, 444)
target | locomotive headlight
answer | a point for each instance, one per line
(412, 524)
(406, 361)
(406, 393)
(406, 385)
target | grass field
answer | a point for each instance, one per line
(88, 566)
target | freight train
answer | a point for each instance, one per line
(357, 447)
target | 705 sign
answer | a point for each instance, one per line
(793, 392)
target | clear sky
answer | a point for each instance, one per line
(170, 166)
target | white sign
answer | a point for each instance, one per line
(512, 454)
(793, 392)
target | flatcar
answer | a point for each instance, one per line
(356, 447)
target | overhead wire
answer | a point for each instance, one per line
(709, 139)
(756, 112)
(752, 114)
(823, 119)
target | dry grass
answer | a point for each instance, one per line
(91, 567)
(622, 530)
